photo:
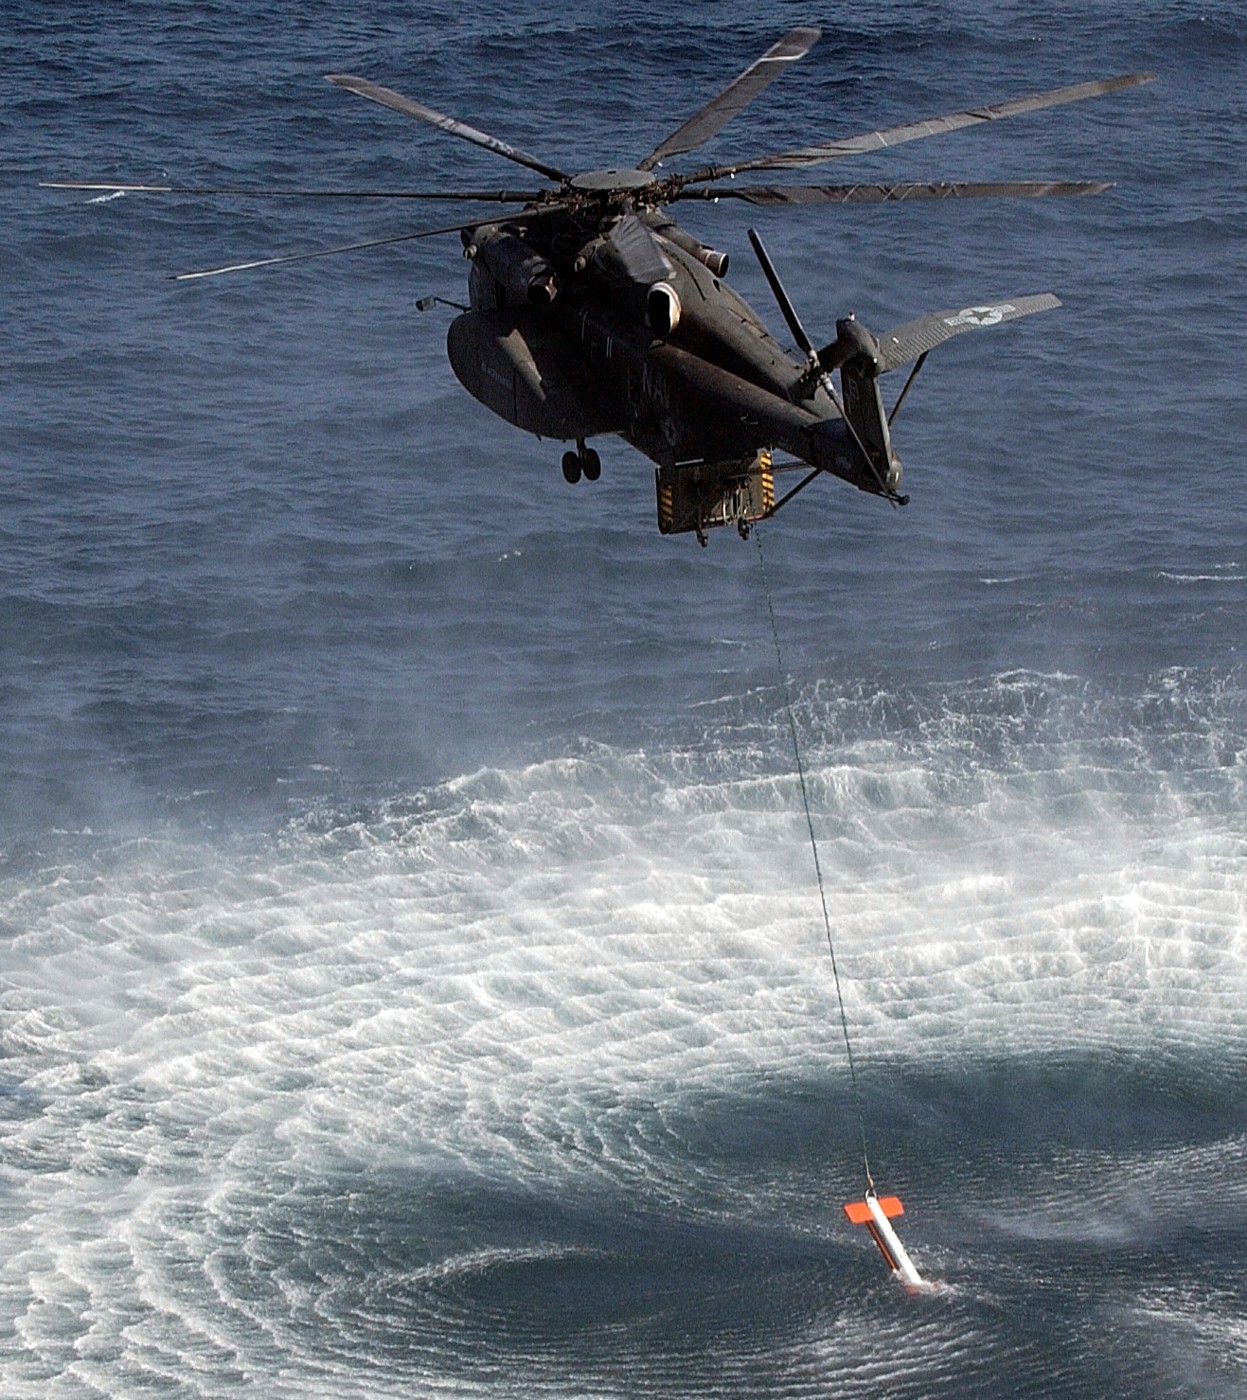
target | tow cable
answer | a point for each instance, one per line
(874, 1211)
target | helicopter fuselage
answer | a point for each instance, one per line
(576, 333)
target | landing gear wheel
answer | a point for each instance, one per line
(571, 467)
(591, 463)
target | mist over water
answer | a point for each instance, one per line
(412, 976)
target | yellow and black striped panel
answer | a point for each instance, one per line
(767, 475)
(666, 504)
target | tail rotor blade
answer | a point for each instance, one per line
(781, 296)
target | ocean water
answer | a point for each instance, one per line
(412, 976)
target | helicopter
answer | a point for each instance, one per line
(592, 313)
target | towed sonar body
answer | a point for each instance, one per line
(876, 1213)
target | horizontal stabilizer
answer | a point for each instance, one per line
(915, 338)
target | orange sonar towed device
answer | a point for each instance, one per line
(874, 1213)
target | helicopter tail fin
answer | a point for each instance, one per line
(869, 427)
(873, 463)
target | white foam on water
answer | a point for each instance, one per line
(516, 976)
(1202, 578)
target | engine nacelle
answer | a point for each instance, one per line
(662, 309)
(673, 233)
(713, 259)
(523, 274)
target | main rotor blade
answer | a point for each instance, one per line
(781, 296)
(883, 194)
(246, 192)
(319, 252)
(931, 126)
(387, 97)
(737, 95)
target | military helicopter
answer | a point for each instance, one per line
(591, 312)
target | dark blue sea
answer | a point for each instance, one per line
(412, 974)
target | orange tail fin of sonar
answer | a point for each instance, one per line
(859, 1211)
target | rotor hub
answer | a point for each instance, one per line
(611, 181)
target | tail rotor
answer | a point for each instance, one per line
(859, 358)
(862, 451)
